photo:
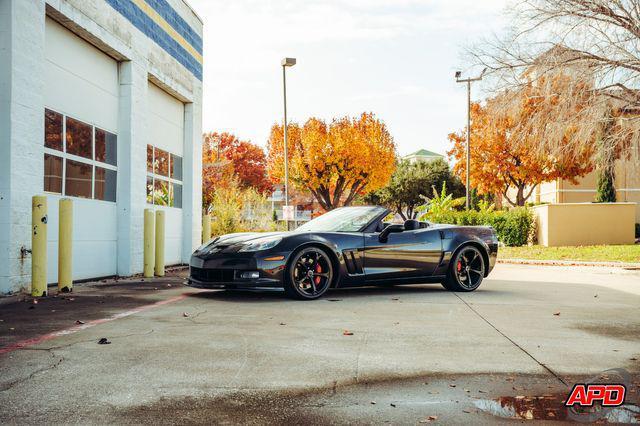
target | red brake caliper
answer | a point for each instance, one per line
(459, 266)
(318, 270)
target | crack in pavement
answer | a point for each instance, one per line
(544, 366)
(7, 386)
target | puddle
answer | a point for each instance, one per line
(551, 407)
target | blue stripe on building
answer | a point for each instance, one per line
(144, 23)
(180, 25)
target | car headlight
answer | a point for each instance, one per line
(261, 244)
(202, 247)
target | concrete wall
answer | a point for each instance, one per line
(164, 46)
(576, 224)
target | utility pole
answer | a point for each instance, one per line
(468, 147)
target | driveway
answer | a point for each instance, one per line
(401, 354)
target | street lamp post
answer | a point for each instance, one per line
(286, 62)
(468, 148)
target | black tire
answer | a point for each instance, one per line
(309, 274)
(466, 270)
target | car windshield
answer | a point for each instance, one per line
(345, 219)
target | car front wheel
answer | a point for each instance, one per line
(309, 274)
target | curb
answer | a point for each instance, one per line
(627, 266)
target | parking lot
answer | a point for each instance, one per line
(397, 354)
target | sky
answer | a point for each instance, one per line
(395, 58)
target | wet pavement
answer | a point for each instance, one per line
(403, 355)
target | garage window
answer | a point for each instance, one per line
(80, 159)
(164, 178)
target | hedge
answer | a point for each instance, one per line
(514, 227)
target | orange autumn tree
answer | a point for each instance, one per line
(336, 161)
(504, 156)
(224, 157)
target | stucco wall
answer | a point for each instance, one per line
(575, 224)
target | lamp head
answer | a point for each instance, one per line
(458, 74)
(288, 62)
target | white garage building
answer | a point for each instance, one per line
(100, 102)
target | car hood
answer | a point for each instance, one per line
(233, 242)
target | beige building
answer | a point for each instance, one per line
(627, 184)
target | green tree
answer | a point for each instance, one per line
(411, 182)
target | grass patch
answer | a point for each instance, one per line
(622, 253)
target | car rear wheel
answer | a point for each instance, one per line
(466, 270)
(309, 274)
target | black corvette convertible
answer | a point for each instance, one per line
(349, 246)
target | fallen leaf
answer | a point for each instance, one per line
(395, 298)
(466, 411)
(185, 314)
(595, 295)
(35, 301)
(373, 403)
(104, 341)
(481, 391)
(79, 322)
(334, 300)
(557, 313)
(168, 285)
(633, 359)
(393, 405)
(283, 323)
(347, 333)
(429, 419)
(452, 385)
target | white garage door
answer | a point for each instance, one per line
(164, 165)
(80, 145)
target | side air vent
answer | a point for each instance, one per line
(353, 261)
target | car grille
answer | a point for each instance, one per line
(213, 275)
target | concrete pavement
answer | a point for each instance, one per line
(260, 358)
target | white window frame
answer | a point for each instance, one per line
(92, 162)
(155, 176)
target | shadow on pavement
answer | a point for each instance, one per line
(256, 296)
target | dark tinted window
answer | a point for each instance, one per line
(52, 130)
(105, 184)
(106, 147)
(161, 162)
(52, 174)
(161, 193)
(176, 195)
(79, 137)
(150, 158)
(176, 167)
(78, 179)
(149, 190)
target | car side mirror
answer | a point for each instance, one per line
(384, 235)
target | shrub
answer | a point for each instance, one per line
(514, 227)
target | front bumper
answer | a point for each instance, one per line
(224, 270)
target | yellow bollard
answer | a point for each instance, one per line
(149, 243)
(206, 228)
(159, 243)
(65, 250)
(39, 246)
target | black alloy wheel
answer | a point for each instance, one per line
(309, 274)
(466, 270)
